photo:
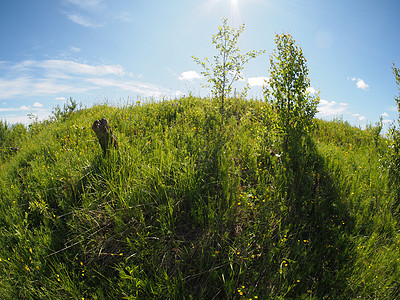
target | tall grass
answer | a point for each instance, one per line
(193, 207)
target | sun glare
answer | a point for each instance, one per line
(235, 11)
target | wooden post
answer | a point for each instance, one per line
(104, 135)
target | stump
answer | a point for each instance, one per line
(104, 135)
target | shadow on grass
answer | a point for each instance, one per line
(306, 246)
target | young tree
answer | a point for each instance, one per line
(287, 92)
(228, 63)
(394, 169)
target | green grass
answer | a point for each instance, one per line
(191, 207)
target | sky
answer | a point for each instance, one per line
(123, 51)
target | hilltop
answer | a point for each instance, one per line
(193, 207)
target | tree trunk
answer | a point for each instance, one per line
(104, 135)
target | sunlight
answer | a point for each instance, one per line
(235, 11)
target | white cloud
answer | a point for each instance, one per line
(360, 83)
(331, 108)
(13, 87)
(75, 49)
(359, 117)
(37, 104)
(35, 78)
(146, 89)
(81, 20)
(257, 81)
(58, 66)
(16, 117)
(93, 13)
(28, 86)
(21, 108)
(311, 90)
(9, 109)
(189, 76)
(88, 4)
(385, 115)
(124, 17)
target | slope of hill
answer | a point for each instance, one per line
(193, 207)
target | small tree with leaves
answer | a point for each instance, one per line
(293, 108)
(227, 65)
(394, 169)
(287, 91)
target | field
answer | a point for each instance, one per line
(194, 207)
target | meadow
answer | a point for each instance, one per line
(194, 207)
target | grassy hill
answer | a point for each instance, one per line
(190, 207)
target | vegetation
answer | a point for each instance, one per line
(228, 63)
(186, 210)
(395, 149)
(287, 93)
(190, 207)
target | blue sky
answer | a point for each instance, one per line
(121, 50)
